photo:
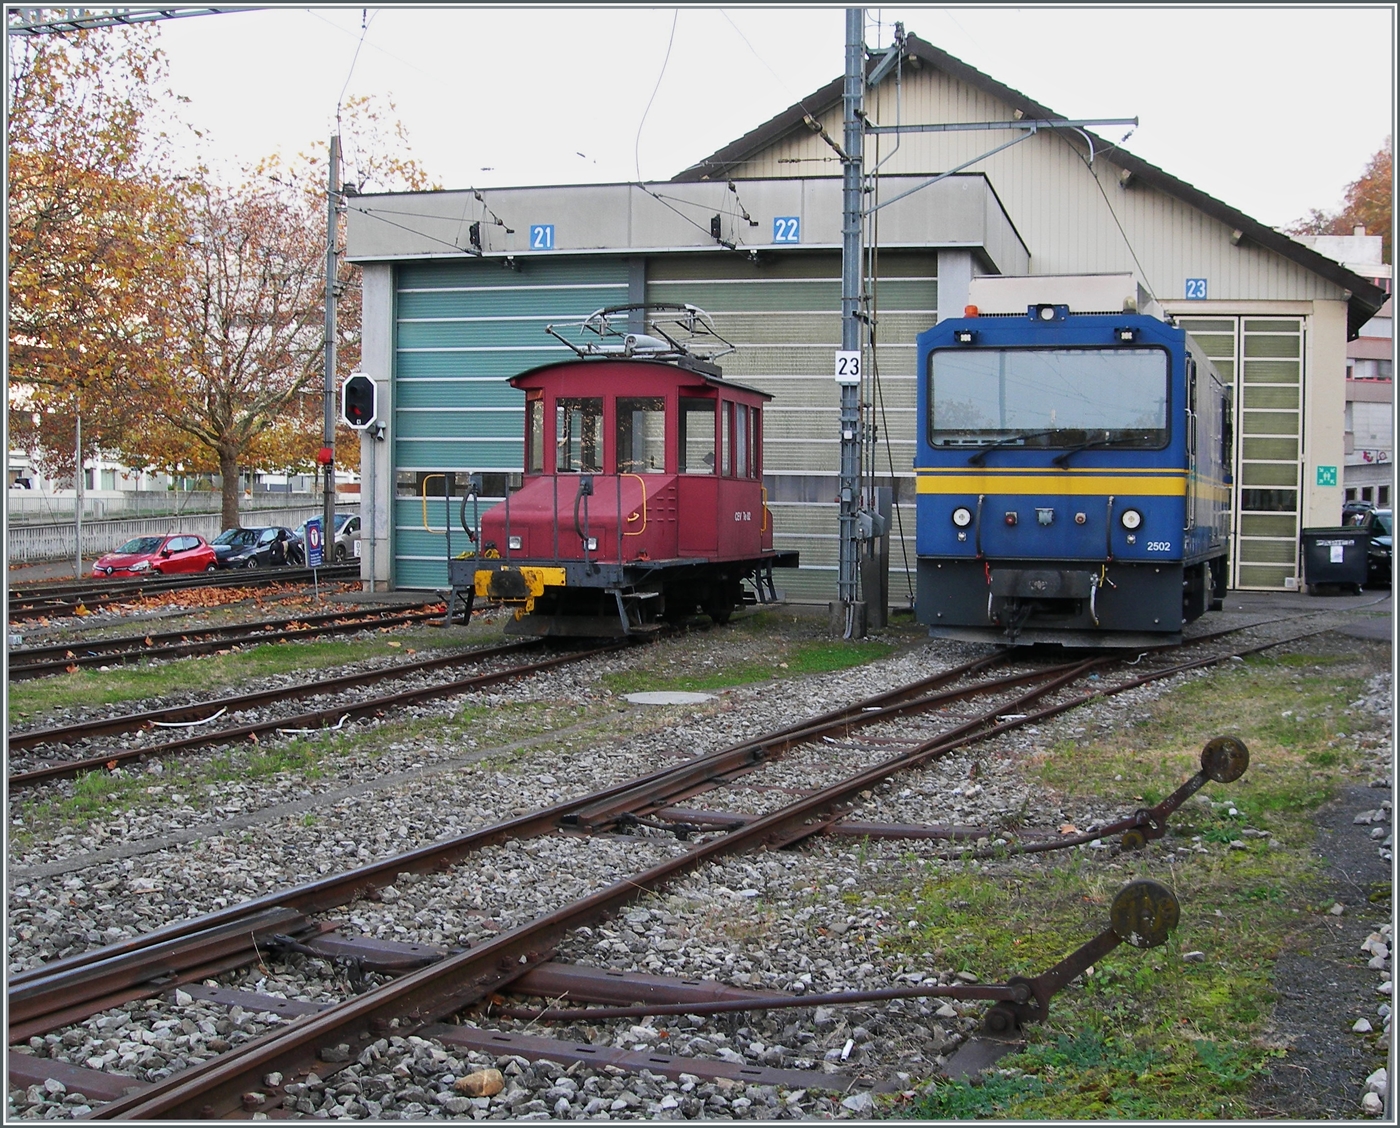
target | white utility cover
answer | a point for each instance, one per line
(669, 697)
(1083, 293)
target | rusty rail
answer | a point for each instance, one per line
(369, 707)
(37, 661)
(204, 710)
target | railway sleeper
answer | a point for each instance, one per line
(71, 997)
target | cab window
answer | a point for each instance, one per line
(697, 436)
(726, 448)
(742, 468)
(534, 434)
(578, 435)
(641, 435)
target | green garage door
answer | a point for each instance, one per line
(1264, 358)
(783, 314)
(463, 328)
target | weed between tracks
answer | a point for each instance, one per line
(783, 655)
(210, 673)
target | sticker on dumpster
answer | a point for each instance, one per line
(1335, 552)
(1333, 543)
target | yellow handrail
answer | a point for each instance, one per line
(763, 528)
(633, 517)
(426, 480)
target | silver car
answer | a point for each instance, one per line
(344, 546)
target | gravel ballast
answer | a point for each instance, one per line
(175, 850)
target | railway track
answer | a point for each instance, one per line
(352, 707)
(54, 600)
(876, 739)
(41, 661)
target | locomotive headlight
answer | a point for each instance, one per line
(1131, 519)
(962, 517)
(515, 543)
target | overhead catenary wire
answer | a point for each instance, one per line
(738, 31)
(637, 145)
(1089, 164)
(412, 230)
(365, 21)
(664, 202)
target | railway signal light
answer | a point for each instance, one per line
(357, 401)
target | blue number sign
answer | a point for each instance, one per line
(1196, 289)
(541, 236)
(315, 549)
(787, 229)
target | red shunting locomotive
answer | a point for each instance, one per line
(643, 495)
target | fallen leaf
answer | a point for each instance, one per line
(111, 765)
(1069, 828)
(395, 644)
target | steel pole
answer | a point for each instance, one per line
(328, 434)
(78, 483)
(851, 220)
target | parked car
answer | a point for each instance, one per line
(1377, 522)
(1355, 512)
(347, 535)
(158, 555)
(253, 548)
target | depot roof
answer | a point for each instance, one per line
(1364, 298)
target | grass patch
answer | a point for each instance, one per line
(788, 658)
(1088, 1075)
(1291, 710)
(211, 672)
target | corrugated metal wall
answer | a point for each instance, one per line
(784, 315)
(463, 328)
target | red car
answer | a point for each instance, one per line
(157, 555)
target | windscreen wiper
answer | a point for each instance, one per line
(976, 459)
(1062, 459)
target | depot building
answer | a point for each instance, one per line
(458, 287)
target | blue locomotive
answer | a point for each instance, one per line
(1073, 477)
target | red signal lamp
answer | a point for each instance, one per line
(325, 456)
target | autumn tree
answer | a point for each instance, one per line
(248, 330)
(182, 317)
(1367, 203)
(245, 338)
(94, 236)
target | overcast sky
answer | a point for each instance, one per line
(1273, 110)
